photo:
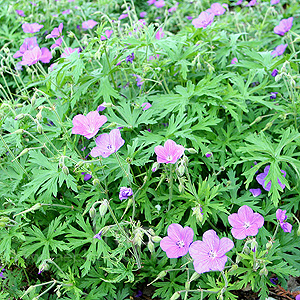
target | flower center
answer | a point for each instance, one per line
(91, 129)
(212, 254)
(246, 225)
(109, 147)
(180, 244)
(169, 157)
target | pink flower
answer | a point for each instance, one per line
(279, 50)
(32, 28)
(146, 105)
(260, 178)
(46, 55)
(284, 26)
(31, 57)
(281, 217)
(57, 43)
(143, 14)
(234, 61)
(159, 34)
(150, 2)
(56, 32)
(20, 12)
(245, 222)
(169, 153)
(209, 254)
(177, 243)
(89, 24)
(108, 143)
(123, 16)
(68, 51)
(217, 9)
(159, 3)
(107, 35)
(88, 125)
(205, 19)
(174, 8)
(28, 44)
(273, 2)
(251, 3)
(66, 12)
(255, 192)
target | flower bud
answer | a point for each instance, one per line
(96, 181)
(233, 268)
(195, 276)
(254, 246)
(175, 296)
(39, 128)
(138, 237)
(197, 212)
(151, 246)
(181, 188)
(192, 150)
(181, 170)
(19, 117)
(39, 116)
(162, 274)
(155, 166)
(103, 208)
(65, 170)
(19, 131)
(92, 212)
(156, 239)
(269, 245)
(263, 271)
(151, 231)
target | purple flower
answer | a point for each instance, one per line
(31, 57)
(32, 3)
(169, 153)
(68, 51)
(138, 294)
(274, 280)
(32, 28)
(205, 19)
(174, 8)
(46, 55)
(279, 50)
(20, 12)
(245, 222)
(274, 73)
(178, 241)
(88, 125)
(208, 154)
(146, 105)
(273, 95)
(251, 3)
(255, 192)
(209, 254)
(153, 57)
(261, 179)
(125, 193)
(1, 273)
(56, 32)
(101, 107)
(89, 24)
(108, 143)
(107, 35)
(159, 34)
(57, 43)
(239, 2)
(159, 3)
(281, 217)
(98, 235)
(130, 58)
(297, 297)
(150, 2)
(217, 9)
(66, 12)
(284, 26)
(234, 61)
(273, 2)
(139, 80)
(86, 176)
(28, 44)
(189, 17)
(143, 14)
(123, 16)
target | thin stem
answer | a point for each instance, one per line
(170, 187)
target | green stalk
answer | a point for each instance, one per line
(170, 187)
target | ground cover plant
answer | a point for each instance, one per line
(149, 150)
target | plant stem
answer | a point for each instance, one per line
(170, 187)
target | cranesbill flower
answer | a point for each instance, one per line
(130, 58)
(159, 3)
(31, 57)
(273, 2)
(108, 143)
(251, 3)
(32, 28)
(159, 34)
(279, 50)
(245, 222)
(274, 73)
(284, 26)
(255, 192)
(107, 35)
(234, 61)
(217, 9)
(209, 254)
(174, 8)
(143, 14)
(88, 125)
(1, 273)
(57, 43)
(56, 32)
(101, 107)
(89, 24)
(28, 44)
(98, 235)
(125, 192)
(208, 154)
(261, 179)
(205, 19)
(146, 105)
(169, 153)
(273, 95)
(139, 80)
(68, 51)
(178, 241)
(46, 55)
(66, 12)
(239, 2)
(281, 217)
(150, 2)
(123, 16)
(87, 176)
(20, 12)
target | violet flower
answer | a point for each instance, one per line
(279, 50)
(57, 43)
(273, 2)
(273, 95)
(98, 235)
(68, 51)
(281, 217)
(217, 9)
(56, 32)
(20, 12)
(159, 34)
(123, 16)
(209, 254)
(31, 57)
(174, 8)
(178, 241)
(125, 192)
(139, 80)
(143, 14)
(255, 192)
(245, 222)
(234, 61)
(251, 3)
(86, 176)
(159, 3)
(106, 144)
(1, 273)
(88, 125)
(101, 107)
(150, 2)
(169, 153)
(32, 28)
(89, 24)
(66, 12)
(274, 73)
(28, 44)
(204, 19)
(260, 178)
(284, 26)
(146, 105)
(107, 35)
(130, 58)
(208, 154)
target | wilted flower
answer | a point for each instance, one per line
(261, 179)
(139, 80)
(68, 51)
(281, 217)
(89, 24)
(255, 192)
(107, 35)
(28, 44)
(274, 73)
(177, 243)
(88, 125)
(169, 153)
(146, 105)
(32, 28)
(234, 61)
(108, 144)
(205, 19)
(87, 176)
(273, 95)
(209, 254)
(56, 32)
(159, 3)
(125, 193)
(284, 26)
(245, 222)
(273, 2)
(159, 34)
(20, 12)
(217, 9)
(279, 50)
(153, 57)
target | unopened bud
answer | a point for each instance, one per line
(19, 131)
(181, 188)
(155, 166)
(175, 296)
(96, 181)
(103, 208)
(71, 34)
(233, 268)
(269, 245)
(39, 128)
(2, 224)
(151, 247)
(23, 152)
(156, 239)
(254, 246)
(263, 271)
(92, 212)
(222, 168)
(181, 170)
(138, 237)
(19, 117)
(192, 150)
(162, 274)
(298, 231)
(195, 276)
(151, 231)
(39, 116)
(65, 170)
(197, 212)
